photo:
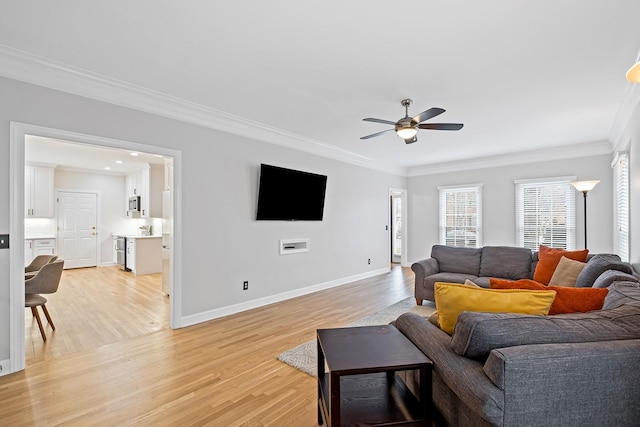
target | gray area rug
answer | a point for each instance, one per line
(303, 357)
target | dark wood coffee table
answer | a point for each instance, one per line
(360, 387)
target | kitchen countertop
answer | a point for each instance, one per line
(136, 236)
(38, 237)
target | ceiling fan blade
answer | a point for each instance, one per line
(386, 122)
(441, 126)
(411, 140)
(375, 134)
(428, 114)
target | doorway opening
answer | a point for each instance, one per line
(19, 134)
(398, 221)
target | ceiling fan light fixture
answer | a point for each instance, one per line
(407, 132)
(633, 75)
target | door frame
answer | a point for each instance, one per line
(18, 131)
(405, 233)
(98, 194)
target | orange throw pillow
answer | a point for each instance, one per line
(568, 300)
(548, 259)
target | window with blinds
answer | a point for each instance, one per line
(621, 205)
(461, 215)
(545, 213)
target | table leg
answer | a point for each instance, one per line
(334, 404)
(425, 395)
(321, 375)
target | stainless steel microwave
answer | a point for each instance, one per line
(134, 204)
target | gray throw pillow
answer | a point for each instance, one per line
(597, 265)
(609, 277)
(622, 293)
(476, 334)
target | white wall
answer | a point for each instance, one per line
(222, 243)
(498, 202)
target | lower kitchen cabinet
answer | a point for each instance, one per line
(144, 254)
(35, 247)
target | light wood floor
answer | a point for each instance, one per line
(113, 360)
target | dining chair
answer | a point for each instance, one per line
(46, 281)
(37, 263)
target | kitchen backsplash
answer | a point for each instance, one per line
(39, 227)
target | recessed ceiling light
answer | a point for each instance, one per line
(133, 153)
(119, 162)
(107, 168)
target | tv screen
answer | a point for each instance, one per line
(290, 195)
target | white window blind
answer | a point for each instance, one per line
(461, 215)
(546, 213)
(621, 205)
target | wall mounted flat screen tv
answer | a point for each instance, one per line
(290, 195)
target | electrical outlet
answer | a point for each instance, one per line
(4, 241)
(369, 261)
(245, 285)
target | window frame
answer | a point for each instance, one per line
(443, 214)
(621, 186)
(568, 230)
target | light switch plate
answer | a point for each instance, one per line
(4, 241)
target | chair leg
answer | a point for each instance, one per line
(34, 311)
(46, 313)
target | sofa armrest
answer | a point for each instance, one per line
(425, 267)
(591, 383)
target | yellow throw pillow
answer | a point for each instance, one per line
(433, 317)
(567, 272)
(454, 298)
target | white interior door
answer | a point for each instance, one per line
(77, 231)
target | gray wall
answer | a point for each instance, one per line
(498, 202)
(222, 243)
(633, 138)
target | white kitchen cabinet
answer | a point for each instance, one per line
(35, 247)
(38, 191)
(144, 254)
(130, 260)
(148, 184)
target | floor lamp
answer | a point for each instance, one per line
(584, 187)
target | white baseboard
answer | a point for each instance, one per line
(4, 367)
(248, 305)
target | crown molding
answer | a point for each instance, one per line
(23, 66)
(523, 157)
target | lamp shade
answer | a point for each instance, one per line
(407, 132)
(633, 75)
(585, 186)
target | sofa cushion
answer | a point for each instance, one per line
(609, 277)
(568, 300)
(478, 333)
(597, 265)
(548, 259)
(506, 262)
(622, 293)
(566, 273)
(457, 260)
(453, 298)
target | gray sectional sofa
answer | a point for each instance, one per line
(455, 265)
(501, 369)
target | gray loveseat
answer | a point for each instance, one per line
(455, 265)
(501, 369)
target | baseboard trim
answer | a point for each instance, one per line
(5, 367)
(260, 302)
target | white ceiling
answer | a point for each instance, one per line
(524, 77)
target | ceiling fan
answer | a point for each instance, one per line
(407, 127)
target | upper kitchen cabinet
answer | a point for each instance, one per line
(148, 184)
(38, 191)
